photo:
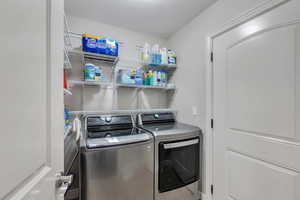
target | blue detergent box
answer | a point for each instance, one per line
(108, 47)
(96, 44)
(89, 43)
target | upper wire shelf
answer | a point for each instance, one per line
(95, 56)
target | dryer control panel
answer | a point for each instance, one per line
(153, 118)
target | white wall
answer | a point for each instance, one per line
(96, 98)
(190, 43)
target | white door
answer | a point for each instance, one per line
(31, 102)
(257, 108)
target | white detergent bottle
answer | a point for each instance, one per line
(158, 78)
(155, 78)
(145, 57)
(155, 54)
(77, 127)
(164, 56)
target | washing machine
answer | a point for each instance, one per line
(117, 159)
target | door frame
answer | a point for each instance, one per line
(55, 103)
(257, 10)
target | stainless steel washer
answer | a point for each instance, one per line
(117, 159)
(178, 155)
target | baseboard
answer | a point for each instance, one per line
(205, 197)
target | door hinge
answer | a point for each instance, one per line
(212, 189)
(212, 123)
(212, 57)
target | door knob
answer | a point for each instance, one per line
(63, 183)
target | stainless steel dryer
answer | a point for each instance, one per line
(117, 159)
(178, 155)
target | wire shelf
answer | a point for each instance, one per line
(67, 92)
(67, 37)
(68, 44)
(100, 57)
(67, 62)
(91, 83)
(150, 66)
(146, 87)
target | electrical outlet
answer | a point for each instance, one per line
(194, 110)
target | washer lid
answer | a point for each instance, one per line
(112, 130)
(172, 130)
(108, 122)
(109, 141)
(116, 137)
(113, 133)
(155, 118)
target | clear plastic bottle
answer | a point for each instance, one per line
(164, 56)
(145, 54)
(155, 55)
(159, 78)
(164, 78)
(150, 78)
(155, 78)
(172, 59)
(145, 78)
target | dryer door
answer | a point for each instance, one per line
(178, 164)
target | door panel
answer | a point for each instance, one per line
(28, 141)
(250, 179)
(273, 151)
(261, 77)
(256, 107)
(28, 72)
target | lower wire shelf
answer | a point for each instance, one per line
(146, 87)
(91, 83)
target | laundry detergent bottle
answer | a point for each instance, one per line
(145, 54)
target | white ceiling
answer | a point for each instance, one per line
(159, 17)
